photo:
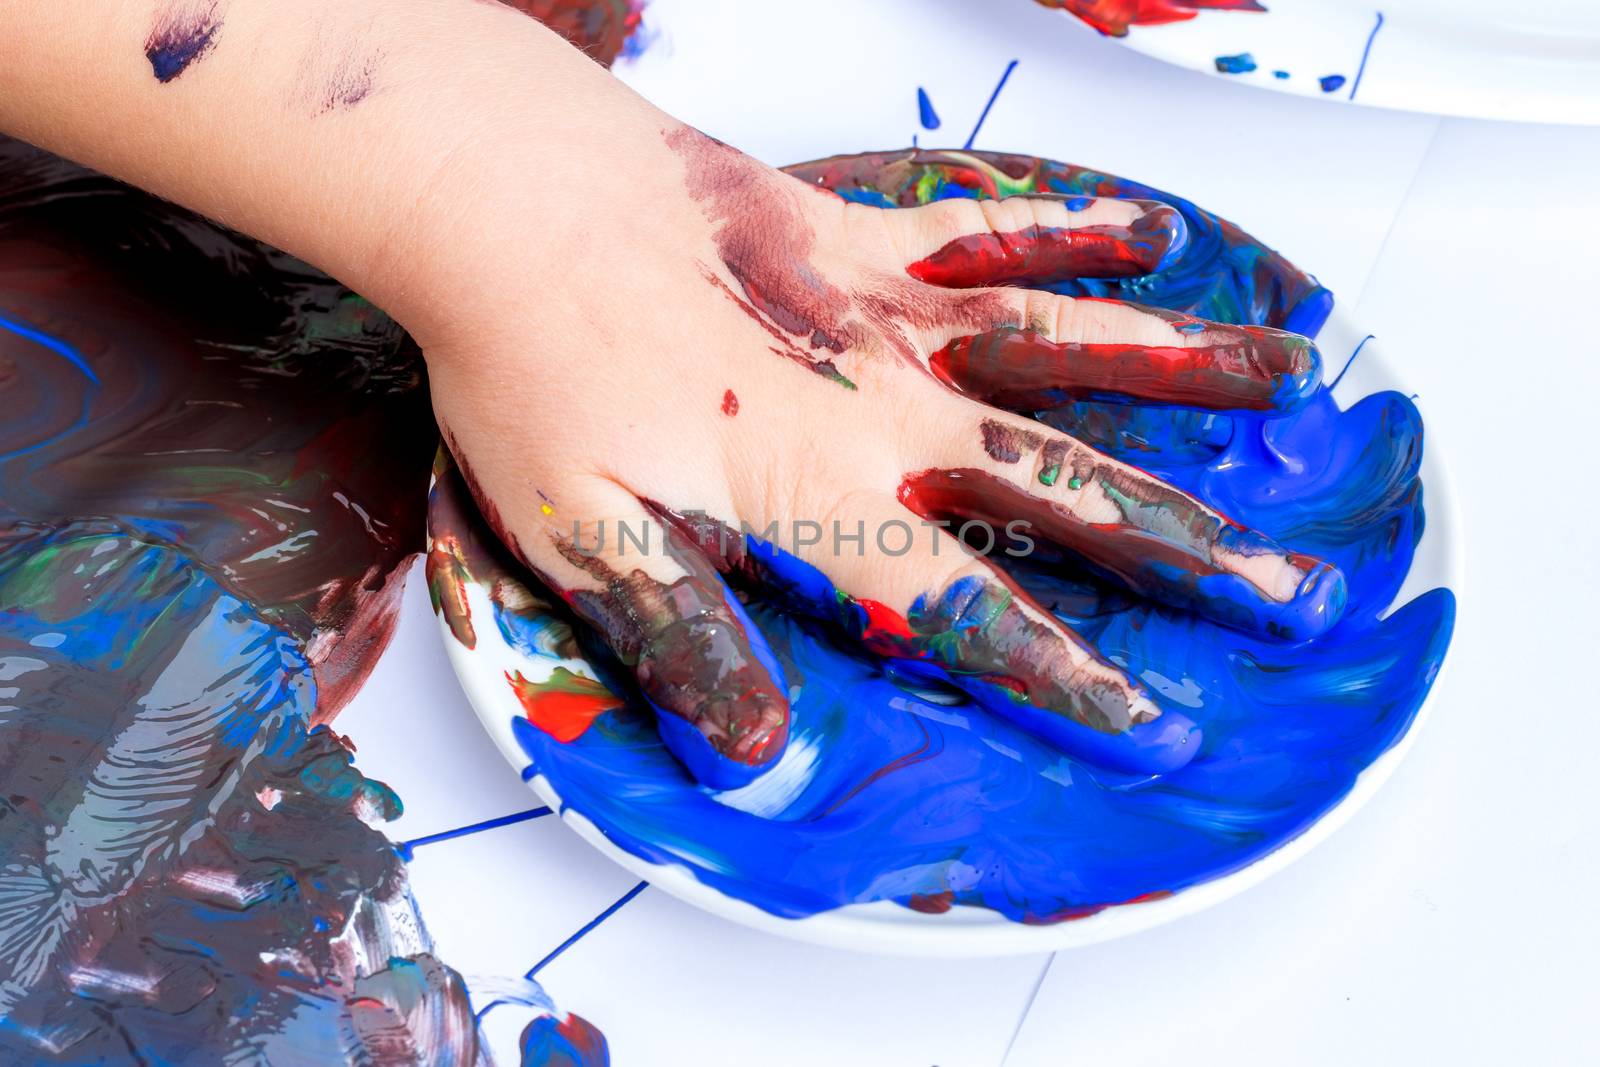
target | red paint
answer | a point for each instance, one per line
(1252, 368)
(886, 631)
(932, 903)
(764, 237)
(1038, 255)
(1113, 17)
(600, 28)
(565, 705)
(730, 404)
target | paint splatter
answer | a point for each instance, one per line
(569, 1041)
(730, 404)
(925, 112)
(181, 35)
(1243, 63)
(1366, 54)
(1113, 17)
(1331, 83)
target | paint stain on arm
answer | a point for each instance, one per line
(181, 35)
(730, 404)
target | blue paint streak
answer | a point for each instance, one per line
(925, 112)
(1243, 63)
(1001, 84)
(407, 849)
(586, 928)
(1365, 53)
(67, 352)
(1281, 75)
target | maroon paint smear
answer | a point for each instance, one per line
(1038, 255)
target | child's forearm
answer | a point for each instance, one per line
(347, 133)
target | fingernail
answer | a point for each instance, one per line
(1301, 374)
(1165, 231)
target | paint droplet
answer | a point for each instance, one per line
(929, 117)
(1049, 474)
(547, 509)
(1332, 83)
(1281, 75)
(730, 403)
(1243, 63)
(1074, 483)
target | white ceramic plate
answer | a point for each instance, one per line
(970, 931)
(1535, 61)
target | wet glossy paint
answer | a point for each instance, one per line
(199, 564)
(1114, 17)
(1038, 254)
(898, 786)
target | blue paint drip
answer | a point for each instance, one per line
(408, 849)
(1243, 63)
(587, 927)
(1331, 83)
(982, 117)
(1281, 75)
(925, 113)
(1366, 52)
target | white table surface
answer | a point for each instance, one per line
(1453, 920)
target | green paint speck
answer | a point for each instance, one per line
(1075, 483)
(1049, 475)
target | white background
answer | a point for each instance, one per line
(1454, 920)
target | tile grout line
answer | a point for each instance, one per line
(1394, 219)
(1027, 1008)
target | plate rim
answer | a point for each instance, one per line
(970, 930)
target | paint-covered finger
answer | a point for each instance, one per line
(911, 593)
(1069, 349)
(719, 693)
(1156, 540)
(1034, 240)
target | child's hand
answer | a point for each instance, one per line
(739, 373)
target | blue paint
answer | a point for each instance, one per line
(1366, 52)
(1281, 75)
(182, 35)
(1331, 83)
(1149, 748)
(984, 115)
(408, 849)
(1243, 63)
(925, 112)
(587, 927)
(899, 787)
